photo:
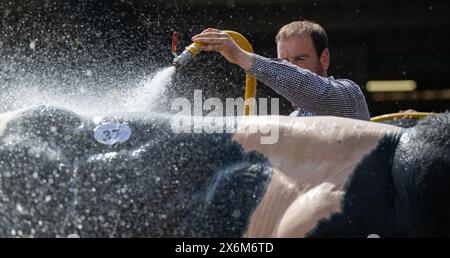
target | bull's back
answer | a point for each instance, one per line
(314, 158)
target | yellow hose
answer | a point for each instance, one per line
(250, 81)
(395, 116)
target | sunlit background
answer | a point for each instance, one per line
(397, 51)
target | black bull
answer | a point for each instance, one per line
(56, 180)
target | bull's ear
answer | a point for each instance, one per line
(367, 206)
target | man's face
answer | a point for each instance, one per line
(299, 50)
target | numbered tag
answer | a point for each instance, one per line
(112, 133)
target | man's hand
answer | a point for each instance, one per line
(217, 40)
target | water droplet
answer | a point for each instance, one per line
(32, 45)
(19, 208)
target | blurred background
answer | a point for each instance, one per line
(92, 47)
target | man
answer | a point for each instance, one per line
(300, 72)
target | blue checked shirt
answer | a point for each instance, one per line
(309, 93)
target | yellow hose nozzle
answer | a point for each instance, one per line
(186, 56)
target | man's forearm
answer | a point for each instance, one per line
(245, 59)
(297, 85)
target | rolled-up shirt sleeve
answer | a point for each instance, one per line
(310, 92)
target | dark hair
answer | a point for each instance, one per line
(297, 28)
